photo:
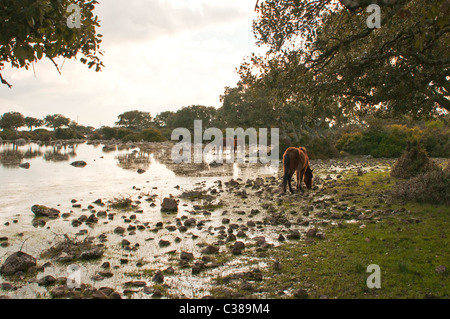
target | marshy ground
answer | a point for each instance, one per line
(236, 235)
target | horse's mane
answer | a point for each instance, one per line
(303, 149)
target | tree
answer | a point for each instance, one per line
(160, 119)
(11, 121)
(328, 51)
(31, 122)
(186, 116)
(56, 121)
(135, 120)
(246, 108)
(31, 30)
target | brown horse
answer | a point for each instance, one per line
(230, 141)
(296, 160)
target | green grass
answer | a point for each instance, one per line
(407, 245)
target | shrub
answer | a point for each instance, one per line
(43, 135)
(121, 133)
(67, 134)
(414, 161)
(387, 141)
(108, 133)
(429, 187)
(152, 135)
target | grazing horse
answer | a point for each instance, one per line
(231, 141)
(296, 160)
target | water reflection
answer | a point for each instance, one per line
(135, 160)
(12, 155)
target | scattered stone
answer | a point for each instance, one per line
(209, 250)
(92, 253)
(25, 165)
(98, 294)
(47, 281)
(311, 232)
(301, 294)
(169, 205)
(119, 230)
(18, 261)
(158, 277)
(78, 164)
(441, 269)
(186, 256)
(164, 243)
(43, 211)
(293, 234)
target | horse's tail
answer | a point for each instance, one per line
(287, 164)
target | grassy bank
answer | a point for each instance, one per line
(407, 240)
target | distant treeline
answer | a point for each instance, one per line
(370, 136)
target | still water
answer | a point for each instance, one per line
(111, 171)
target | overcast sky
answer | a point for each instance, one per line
(159, 55)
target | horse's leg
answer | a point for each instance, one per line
(289, 181)
(299, 180)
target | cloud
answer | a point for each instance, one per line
(159, 55)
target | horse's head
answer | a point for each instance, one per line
(308, 177)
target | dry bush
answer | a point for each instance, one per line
(429, 187)
(413, 162)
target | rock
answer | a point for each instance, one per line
(301, 294)
(119, 230)
(47, 281)
(18, 261)
(99, 295)
(6, 286)
(210, 250)
(441, 269)
(293, 235)
(125, 243)
(64, 257)
(101, 214)
(190, 222)
(43, 211)
(198, 267)
(186, 256)
(141, 171)
(239, 245)
(59, 291)
(106, 290)
(78, 164)
(158, 277)
(169, 270)
(311, 232)
(164, 243)
(241, 234)
(260, 240)
(93, 253)
(92, 219)
(169, 205)
(25, 165)
(246, 286)
(106, 265)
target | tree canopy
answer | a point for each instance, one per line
(135, 120)
(324, 50)
(31, 30)
(11, 121)
(56, 121)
